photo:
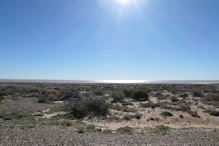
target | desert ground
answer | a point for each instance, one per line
(108, 114)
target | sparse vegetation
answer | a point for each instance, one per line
(79, 106)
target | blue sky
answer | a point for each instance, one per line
(109, 39)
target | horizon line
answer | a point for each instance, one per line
(112, 81)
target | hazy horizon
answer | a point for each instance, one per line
(115, 81)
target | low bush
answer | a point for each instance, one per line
(163, 130)
(94, 107)
(174, 99)
(69, 94)
(184, 107)
(128, 109)
(128, 117)
(128, 92)
(184, 95)
(140, 95)
(212, 112)
(116, 106)
(166, 114)
(118, 95)
(197, 94)
(194, 114)
(125, 130)
(154, 105)
(99, 92)
(138, 116)
(42, 99)
(107, 131)
(1, 98)
(212, 97)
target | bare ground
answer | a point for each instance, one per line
(56, 136)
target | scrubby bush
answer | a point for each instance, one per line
(166, 114)
(128, 117)
(194, 114)
(197, 94)
(184, 107)
(184, 95)
(212, 112)
(212, 97)
(42, 99)
(70, 94)
(128, 92)
(154, 105)
(140, 95)
(163, 130)
(1, 98)
(116, 106)
(94, 107)
(174, 99)
(125, 130)
(107, 131)
(99, 92)
(149, 104)
(117, 95)
(138, 116)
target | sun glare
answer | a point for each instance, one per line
(123, 2)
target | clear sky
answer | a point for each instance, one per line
(109, 39)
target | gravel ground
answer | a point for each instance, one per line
(55, 136)
(28, 105)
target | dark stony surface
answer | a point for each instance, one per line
(56, 136)
(28, 105)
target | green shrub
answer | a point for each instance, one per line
(140, 95)
(125, 130)
(118, 95)
(166, 114)
(154, 105)
(107, 131)
(163, 130)
(95, 107)
(90, 128)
